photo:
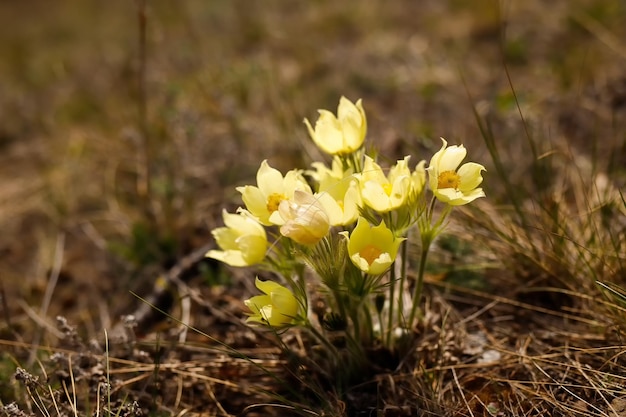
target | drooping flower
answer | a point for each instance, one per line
(383, 192)
(342, 134)
(372, 249)
(242, 241)
(453, 184)
(338, 192)
(277, 307)
(305, 220)
(272, 188)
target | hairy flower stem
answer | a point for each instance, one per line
(369, 325)
(429, 232)
(340, 303)
(324, 341)
(352, 161)
(419, 285)
(403, 267)
(392, 296)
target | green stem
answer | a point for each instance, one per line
(370, 324)
(427, 235)
(392, 295)
(356, 324)
(417, 294)
(403, 268)
(381, 323)
(339, 301)
(319, 336)
(429, 232)
(357, 161)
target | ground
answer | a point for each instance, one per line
(127, 125)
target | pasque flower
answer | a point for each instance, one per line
(277, 306)
(383, 192)
(242, 241)
(342, 134)
(372, 249)
(338, 192)
(272, 188)
(453, 184)
(305, 220)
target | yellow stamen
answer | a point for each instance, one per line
(273, 201)
(388, 188)
(448, 179)
(370, 253)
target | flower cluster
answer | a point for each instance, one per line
(338, 230)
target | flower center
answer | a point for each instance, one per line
(273, 201)
(370, 253)
(388, 188)
(448, 179)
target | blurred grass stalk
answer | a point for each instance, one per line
(562, 224)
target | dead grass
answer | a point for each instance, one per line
(96, 203)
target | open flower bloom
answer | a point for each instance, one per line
(372, 249)
(453, 184)
(277, 306)
(263, 201)
(243, 240)
(386, 193)
(343, 134)
(338, 192)
(305, 220)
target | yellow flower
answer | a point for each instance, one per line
(263, 201)
(338, 192)
(305, 220)
(243, 240)
(277, 307)
(453, 184)
(386, 193)
(372, 249)
(343, 134)
(418, 177)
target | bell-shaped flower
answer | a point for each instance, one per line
(242, 241)
(342, 134)
(383, 192)
(453, 184)
(372, 249)
(277, 307)
(263, 200)
(338, 192)
(305, 220)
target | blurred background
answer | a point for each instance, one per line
(125, 125)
